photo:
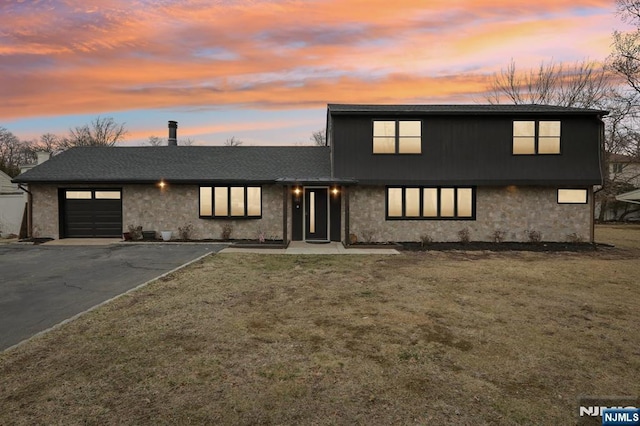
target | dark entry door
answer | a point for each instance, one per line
(92, 213)
(316, 214)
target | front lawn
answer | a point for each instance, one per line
(419, 338)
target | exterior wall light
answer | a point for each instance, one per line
(297, 192)
(335, 191)
(162, 184)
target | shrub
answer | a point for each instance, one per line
(135, 232)
(227, 229)
(425, 239)
(185, 231)
(367, 236)
(464, 236)
(498, 236)
(534, 236)
(575, 238)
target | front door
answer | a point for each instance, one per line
(316, 214)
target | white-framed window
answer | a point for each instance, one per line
(572, 196)
(534, 137)
(430, 203)
(232, 201)
(397, 137)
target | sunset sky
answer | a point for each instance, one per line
(264, 70)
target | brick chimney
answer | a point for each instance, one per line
(173, 134)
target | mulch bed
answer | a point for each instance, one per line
(505, 246)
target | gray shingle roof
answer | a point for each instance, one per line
(186, 164)
(460, 109)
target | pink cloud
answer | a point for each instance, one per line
(93, 56)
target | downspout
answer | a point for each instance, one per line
(602, 180)
(29, 210)
(600, 159)
(327, 141)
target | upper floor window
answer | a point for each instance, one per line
(536, 137)
(430, 203)
(397, 137)
(572, 196)
(230, 201)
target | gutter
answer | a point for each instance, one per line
(29, 210)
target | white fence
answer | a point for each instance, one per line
(11, 211)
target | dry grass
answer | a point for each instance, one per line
(451, 337)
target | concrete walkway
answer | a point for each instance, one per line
(301, 247)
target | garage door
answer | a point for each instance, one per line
(92, 213)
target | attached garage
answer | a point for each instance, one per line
(91, 213)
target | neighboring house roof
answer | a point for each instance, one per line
(630, 197)
(181, 164)
(530, 109)
(6, 187)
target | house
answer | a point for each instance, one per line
(12, 204)
(624, 174)
(388, 173)
(624, 169)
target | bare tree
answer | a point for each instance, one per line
(623, 138)
(582, 84)
(155, 141)
(625, 58)
(622, 152)
(319, 137)
(48, 142)
(186, 142)
(233, 141)
(100, 132)
(12, 152)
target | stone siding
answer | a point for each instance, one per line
(177, 205)
(165, 210)
(512, 210)
(45, 211)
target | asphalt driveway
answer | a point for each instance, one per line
(41, 286)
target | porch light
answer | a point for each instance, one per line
(162, 184)
(335, 191)
(296, 193)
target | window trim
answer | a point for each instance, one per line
(568, 203)
(229, 215)
(421, 203)
(536, 138)
(397, 137)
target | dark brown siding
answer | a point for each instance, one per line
(467, 150)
